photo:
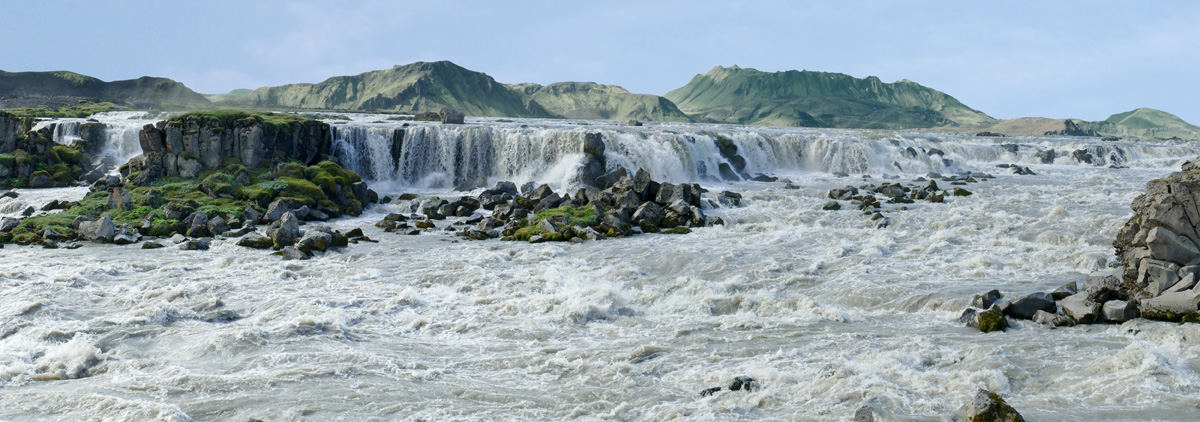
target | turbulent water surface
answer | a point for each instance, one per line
(827, 312)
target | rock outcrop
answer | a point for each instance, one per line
(31, 159)
(1158, 248)
(186, 145)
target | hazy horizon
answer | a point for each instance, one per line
(1076, 59)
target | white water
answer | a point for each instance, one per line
(824, 311)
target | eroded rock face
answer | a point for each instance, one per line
(1158, 247)
(186, 145)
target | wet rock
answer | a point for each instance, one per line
(730, 199)
(126, 235)
(51, 234)
(506, 187)
(986, 406)
(709, 391)
(1025, 307)
(1119, 311)
(292, 253)
(832, 206)
(1062, 292)
(1052, 320)
(194, 245)
(986, 321)
(1046, 156)
(217, 225)
(255, 240)
(986, 300)
(1081, 308)
(650, 213)
(961, 192)
(152, 245)
(197, 224)
(277, 208)
(470, 184)
(1171, 306)
(314, 240)
(743, 383)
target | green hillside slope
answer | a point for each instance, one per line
(588, 100)
(70, 84)
(413, 88)
(1147, 123)
(819, 99)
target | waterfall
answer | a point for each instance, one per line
(437, 156)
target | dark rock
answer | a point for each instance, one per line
(727, 172)
(743, 382)
(1053, 320)
(255, 240)
(986, 300)
(7, 224)
(1025, 307)
(961, 192)
(152, 245)
(472, 183)
(506, 187)
(709, 391)
(832, 206)
(292, 253)
(730, 199)
(986, 321)
(194, 245)
(1047, 156)
(594, 161)
(1065, 290)
(1119, 311)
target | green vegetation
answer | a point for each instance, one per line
(572, 216)
(992, 320)
(225, 192)
(588, 100)
(413, 88)
(819, 99)
(61, 165)
(1147, 123)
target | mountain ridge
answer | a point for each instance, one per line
(71, 84)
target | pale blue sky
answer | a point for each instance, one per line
(1082, 59)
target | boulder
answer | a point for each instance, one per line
(7, 224)
(1119, 311)
(730, 199)
(1168, 246)
(277, 208)
(1080, 307)
(50, 234)
(285, 231)
(127, 235)
(986, 300)
(650, 213)
(986, 406)
(452, 117)
(1171, 306)
(1062, 292)
(255, 240)
(1052, 320)
(197, 224)
(1155, 276)
(1025, 307)
(101, 230)
(314, 240)
(986, 321)
(292, 253)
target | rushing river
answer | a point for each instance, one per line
(825, 311)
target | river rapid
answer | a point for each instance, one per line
(825, 311)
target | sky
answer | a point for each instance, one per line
(1013, 58)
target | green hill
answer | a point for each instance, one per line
(589, 100)
(70, 84)
(819, 99)
(1147, 123)
(413, 88)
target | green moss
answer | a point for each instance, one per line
(163, 227)
(991, 320)
(677, 230)
(586, 216)
(221, 184)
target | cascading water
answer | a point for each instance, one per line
(433, 156)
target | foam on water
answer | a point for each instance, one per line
(826, 312)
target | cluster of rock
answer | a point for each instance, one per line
(185, 145)
(866, 198)
(1100, 301)
(1158, 247)
(624, 206)
(448, 116)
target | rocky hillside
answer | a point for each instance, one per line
(161, 91)
(1040, 126)
(589, 100)
(414, 88)
(819, 99)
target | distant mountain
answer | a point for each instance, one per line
(413, 88)
(1147, 123)
(819, 99)
(1144, 123)
(70, 84)
(588, 100)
